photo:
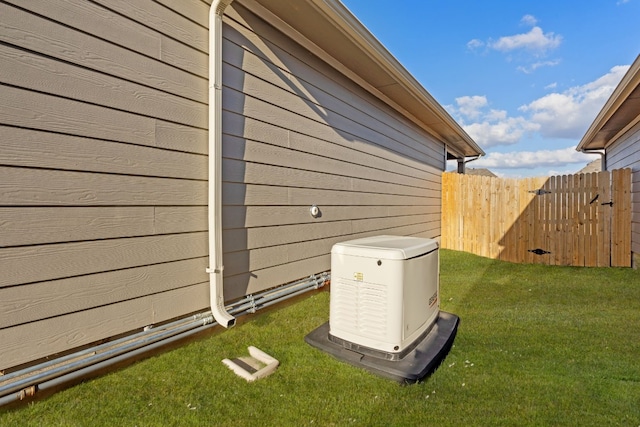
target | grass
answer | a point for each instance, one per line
(537, 345)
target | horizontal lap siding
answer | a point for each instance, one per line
(625, 153)
(103, 167)
(297, 133)
(103, 172)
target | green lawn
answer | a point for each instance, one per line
(537, 345)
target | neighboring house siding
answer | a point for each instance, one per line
(103, 167)
(625, 153)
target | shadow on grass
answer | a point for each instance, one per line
(552, 343)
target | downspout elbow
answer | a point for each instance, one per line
(216, 268)
(462, 163)
(603, 158)
(218, 309)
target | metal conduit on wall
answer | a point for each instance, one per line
(20, 385)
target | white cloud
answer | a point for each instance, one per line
(496, 115)
(529, 20)
(475, 44)
(527, 47)
(565, 114)
(551, 85)
(497, 129)
(489, 127)
(569, 114)
(531, 68)
(534, 40)
(471, 106)
(533, 159)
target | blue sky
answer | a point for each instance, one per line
(524, 78)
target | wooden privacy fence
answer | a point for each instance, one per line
(580, 220)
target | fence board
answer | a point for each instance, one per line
(560, 220)
(591, 237)
(556, 226)
(580, 221)
(621, 220)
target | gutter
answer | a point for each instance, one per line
(216, 268)
(603, 156)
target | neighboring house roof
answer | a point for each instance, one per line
(593, 166)
(339, 38)
(619, 114)
(480, 172)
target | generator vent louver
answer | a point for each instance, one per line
(362, 305)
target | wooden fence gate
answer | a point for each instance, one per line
(580, 220)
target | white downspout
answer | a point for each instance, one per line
(215, 165)
(603, 158)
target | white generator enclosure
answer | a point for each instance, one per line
(384, 293)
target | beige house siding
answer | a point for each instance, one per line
(625, 153)
(297, 133)
(103, 172)
(103, 167)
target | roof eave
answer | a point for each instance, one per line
(378, 53)
(593, 138)
(404, 92)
